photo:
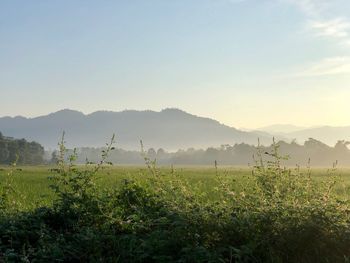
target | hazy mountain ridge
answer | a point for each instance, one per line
(327, 134)
(170, 129)
(281, 128)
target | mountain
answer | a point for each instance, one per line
(327, 134)
(170, 129)
(281, 128)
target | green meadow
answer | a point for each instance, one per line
(110, 213)
(31, 184)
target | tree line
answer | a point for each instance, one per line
(313, 151)
(20, 151)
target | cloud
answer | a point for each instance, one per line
(328, 66)
(321, 23)
(312, 8)
(324, 24)
(335, 28)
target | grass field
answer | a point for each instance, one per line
(31, 183)
(265, 213)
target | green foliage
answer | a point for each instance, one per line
(319, 154)
(294, 219)
(21, 151)
(6, 187)
(275, 215)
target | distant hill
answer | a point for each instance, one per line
(327, 134)
(170, 129)
(281, 128)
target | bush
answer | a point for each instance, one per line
(282, 216)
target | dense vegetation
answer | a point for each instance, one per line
(20, 151)
(319, 154)
(274, 215)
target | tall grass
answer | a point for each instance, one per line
(278, 215)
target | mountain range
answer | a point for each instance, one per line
(170, 129)
(327, 134)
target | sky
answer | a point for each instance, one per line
(246, 63)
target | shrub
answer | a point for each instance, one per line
(282, 215)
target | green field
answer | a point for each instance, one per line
(31, 183)
(265, 213)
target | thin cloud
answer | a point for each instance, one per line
(319, 22)
(323, 24)
(337, 28)
(328, 66)
(312, 8)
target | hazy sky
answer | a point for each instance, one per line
(246, 63)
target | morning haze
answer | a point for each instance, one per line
(153, 131)
(247, 64)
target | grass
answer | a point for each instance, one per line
(102, 213)
(31, 183)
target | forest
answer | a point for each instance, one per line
(312, 151)
(20, 151)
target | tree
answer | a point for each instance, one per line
(54, 157)
(151, 153)
(23, 152)
(4, 153)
